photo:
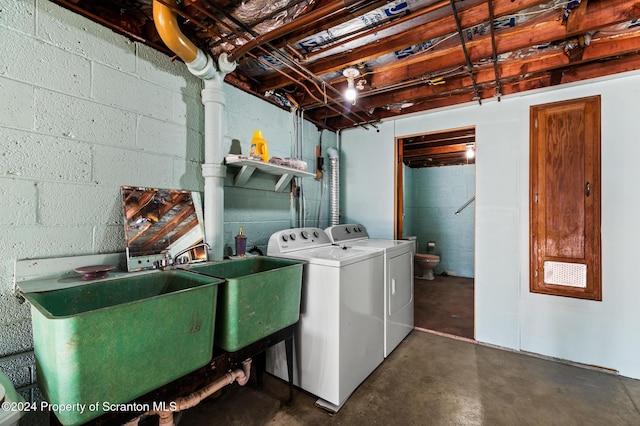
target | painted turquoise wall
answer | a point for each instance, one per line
(431, 196)
(507, 314)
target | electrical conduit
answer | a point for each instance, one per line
(213, 98)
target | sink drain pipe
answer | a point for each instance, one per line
(214, 100)
(166, 416)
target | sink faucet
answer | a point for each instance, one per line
(169, 261)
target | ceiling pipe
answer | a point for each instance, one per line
(214, 100)
(309, 18)
(285, 60)
(464, 50)
(311, 78)
(310, 93)
(494, 54)
(167, 26)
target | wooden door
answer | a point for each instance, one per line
(565, 199)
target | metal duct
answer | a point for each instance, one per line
(334, 215)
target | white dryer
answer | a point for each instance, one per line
(339, 339)
(398, 278)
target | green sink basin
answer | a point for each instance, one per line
(110, 341)
(261, 296)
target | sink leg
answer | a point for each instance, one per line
(288, 344)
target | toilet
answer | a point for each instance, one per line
(9, 414)
(424, 263)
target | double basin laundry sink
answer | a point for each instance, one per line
(107, 342)
(261, 295)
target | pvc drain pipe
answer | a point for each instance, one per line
(213, 98)
(166, 416)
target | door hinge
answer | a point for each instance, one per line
(536, 273)
(536, 198)
(535, 123)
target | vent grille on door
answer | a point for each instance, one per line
(567, 274)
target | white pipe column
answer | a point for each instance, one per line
(213, 170)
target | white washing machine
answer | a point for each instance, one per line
(339, 339)
(398, 278)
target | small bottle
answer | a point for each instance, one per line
(259, 146)
(241, 243)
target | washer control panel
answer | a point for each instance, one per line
(340, 233)
(297, 239)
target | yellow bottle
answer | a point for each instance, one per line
(259, 146)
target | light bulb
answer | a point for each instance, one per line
(470, 152)
(350, 94)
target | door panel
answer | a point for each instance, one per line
(564, 178)
(400, 282)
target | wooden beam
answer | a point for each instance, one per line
(512, 40)
(534, 63)
(575, 21)
(437, 150)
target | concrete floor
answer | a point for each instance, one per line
(445, 304)
(435, 380)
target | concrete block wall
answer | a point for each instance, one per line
(85, 111)
(432, 195)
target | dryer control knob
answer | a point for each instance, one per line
(304, 235)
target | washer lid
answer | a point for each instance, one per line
(335, 256)
(381, 244)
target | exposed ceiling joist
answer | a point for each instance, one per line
(446, 148)
(411, 54)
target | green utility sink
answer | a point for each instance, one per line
(261, 296)
(110, 341)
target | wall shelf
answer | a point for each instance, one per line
(248, 167)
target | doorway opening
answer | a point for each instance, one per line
(434, 202)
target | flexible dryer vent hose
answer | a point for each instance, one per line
(334, 213)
